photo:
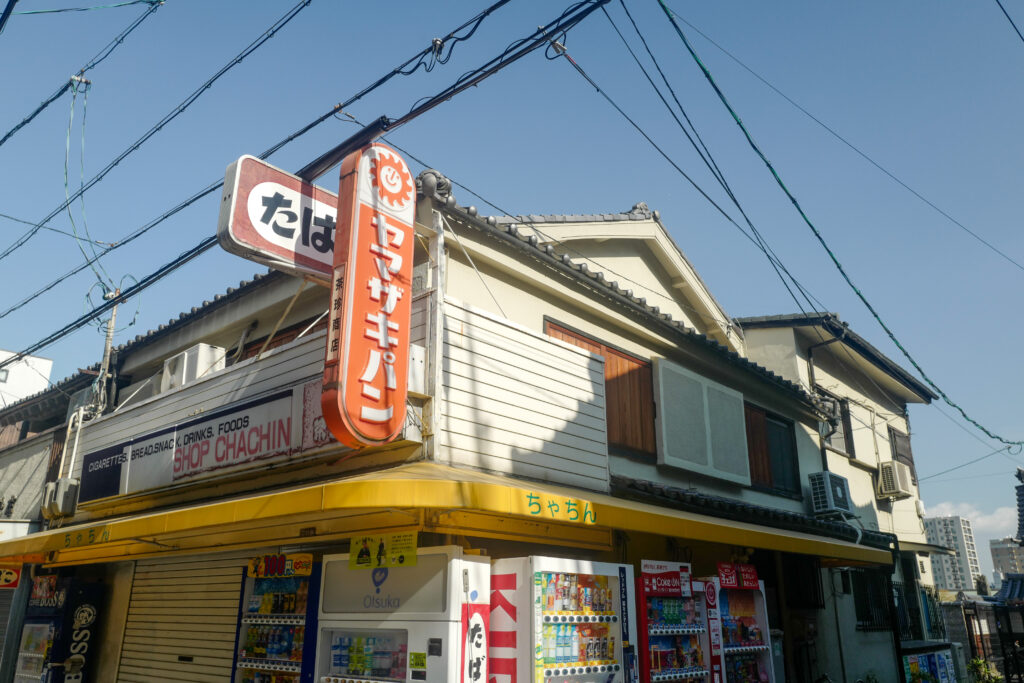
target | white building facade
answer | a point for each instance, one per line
(955, 572)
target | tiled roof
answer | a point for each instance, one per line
(54, 397)
(507, 230)
(690, 500)
(1011, 591)
(840, 329)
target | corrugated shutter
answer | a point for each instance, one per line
(182, 619)
(6, 599)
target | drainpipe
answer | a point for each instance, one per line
(894, 620)
(814, 384)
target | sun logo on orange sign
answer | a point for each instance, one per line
(392, 180)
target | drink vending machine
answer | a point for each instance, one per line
(58, 639)
(426, 621)
(738, 626)
(278, 610)
(673, 626)
(562, 621)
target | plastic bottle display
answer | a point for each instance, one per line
(672, 649)
(287, 596)
(373, 656)
(582, 593)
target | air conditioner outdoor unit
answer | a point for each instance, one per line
(60, 498)
(190, 365)
(830, 494)
(894, 480)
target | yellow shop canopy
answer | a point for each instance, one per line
(413, 497)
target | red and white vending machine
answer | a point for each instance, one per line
(738, 626)
(562, 621)
(424, 621)
(673, 626)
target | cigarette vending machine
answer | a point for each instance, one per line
(738, 626)
(673, 627)
(562, 621)
(426, 621)
(277, 611)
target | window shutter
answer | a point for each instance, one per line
(699, 424)
(901, 452)
(629, 392)
(757, 446)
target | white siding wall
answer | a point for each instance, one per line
(520, 403)
(279, 368)
(23, 474)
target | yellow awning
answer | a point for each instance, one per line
(418, 496)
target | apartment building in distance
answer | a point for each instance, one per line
(1007, 556)
(953, 572)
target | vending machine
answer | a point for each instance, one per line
(59, 637)
(559, 621)
(738, 626)
(673, 626)
(424, 621)
(277, 610)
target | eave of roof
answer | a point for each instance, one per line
(728, 508)
(841, 330)
(581, 272)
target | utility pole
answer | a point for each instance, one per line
(101, 401)
(7, 13)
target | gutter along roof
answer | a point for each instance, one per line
(832, 324)
(651, 315)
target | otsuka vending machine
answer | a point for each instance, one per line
(673, 626)
(562, 621)
(738, 626)
(423, 620)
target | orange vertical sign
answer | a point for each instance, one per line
(367, 361)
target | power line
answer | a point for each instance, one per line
(87, 9)
(570, 18)
(434, 53)
(705, 154)
(962, 465)
(821, 239)
(252, 47)
(1010, 20)
(99, 57)
(831, 131)
(44, 227)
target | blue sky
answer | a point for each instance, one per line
(932, 92)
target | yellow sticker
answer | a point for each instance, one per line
(385, 550)
(417, 660)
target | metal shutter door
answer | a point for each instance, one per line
(183, 607)
(6, 599)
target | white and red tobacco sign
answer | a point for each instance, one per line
(366, 365)
(276, 218)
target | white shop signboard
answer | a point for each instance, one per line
(269, 427)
